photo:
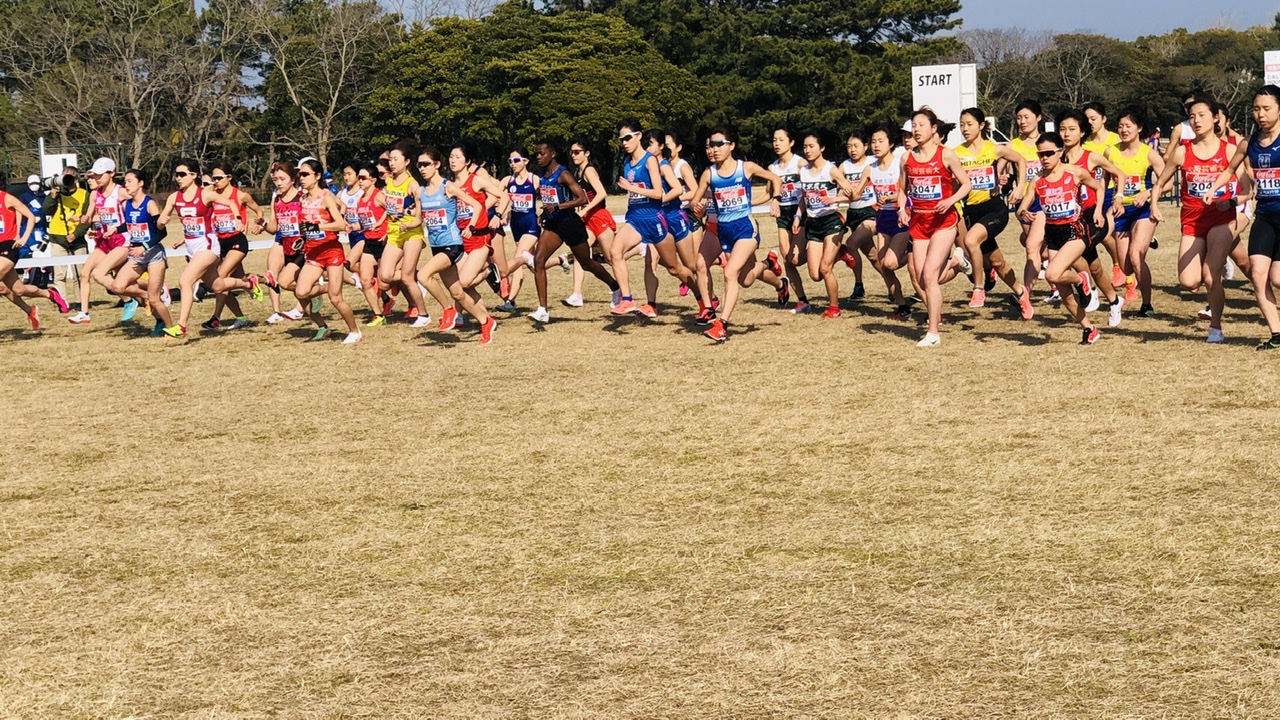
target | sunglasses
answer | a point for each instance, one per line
(1047, 153)
(363, 177)
(182, 174)
(575, 152)
(219, 178)
(717, 143)
(625, 138)
(206, 183)
(517, 160)
(305, 173)
(425, 164)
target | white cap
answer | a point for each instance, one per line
(33, 180)
(102, 166)
(304, 160)
(906, 126)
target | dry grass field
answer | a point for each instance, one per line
(618, 519)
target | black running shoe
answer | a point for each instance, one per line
(1089, 336)
(784, 294)
(211, 324)
(705, 318)
(1272, 344)
(991, 280)
(1147, 311)
(494, 279)
(858, 293)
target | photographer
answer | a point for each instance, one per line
(64, 203)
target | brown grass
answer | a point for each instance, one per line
(617, 519)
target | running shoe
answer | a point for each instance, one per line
(705, 318)
(448, 319)
(903, 312)
(566, 263)
(166, 298)
(201, 291)
(859, 292)
(1086, 284)
(574, 300)
(1215, 335)
(176, 331)
(1205, 313)
(255, 290)
(1089, 336)
(56, 298)
(801, 308)
(784, 292)
(930, 340)
(294, 314)
(1094, 302)
(1053, 299)
(962, 259)
(979, 298)
(321, 334)
(716, 331)
(271, 280)
(421, 321)
(528, 258)
(462, 319)
(33, 316)
(494, 279)
(275, 318)
(486, 330)
(832, 312)
(915, 300)
(504, 286)
(1271, 344)
(615, 298)
(316, 304)
(506, 306)
(1130, 292)
(352, 338)
(1229, 272)
(130, 309)
(211, 324)
(715, 303)
(158, 330)
(1155, 244)
(1147, 311)
(847, 257)
(624, 307)
(411, 313)
(394, 290)
(771, 261)
(355, 280)
(990, 282)
(1024, 304)
(1114, 318)
(377, 321)
(540, 316)
(684, 289)
(239, 323)
(388, 303)
(1117, 276)
(648, 310)
(80, 318)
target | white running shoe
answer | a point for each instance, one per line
(1053, 299)
(1215, 335)
(930, 340)
(421, 321)
(1205, 313)
(528, 258)
(165, 298)
(1229, 273)
(275, 318)
(352, 338)
(574, 300)
(294, 314)
(540, 315)
(962, 259)
(1114, 318)
(1093, 301)
(80, 318)
(355, 280)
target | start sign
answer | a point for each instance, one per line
(945, 89)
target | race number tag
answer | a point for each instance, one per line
(288, 224)
(729, 199)
(925, 187)
(139, 233)
(436, 218)
(983, 178)
(523, 202)
(1268, 182)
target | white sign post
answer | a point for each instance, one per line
(1271, 67)
(53, 165)
(945, 89)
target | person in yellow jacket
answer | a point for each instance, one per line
(66, 236)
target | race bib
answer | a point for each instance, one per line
(288, 224)
(436, 218)
(634, 198)
(983, 178)
(813, 198)
(464, 212)
(1268, 182)
(366, 221)
(225, 226)
(732, 198)
(351, 216)
(1033, 170)
(107, 218)
(523, 202)
(790, 190)
(193, 228)
(139, 233)
(1133, 185)
(395, 206)
(925, 187)
(312, 231)
(887, 196)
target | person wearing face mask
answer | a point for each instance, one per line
(33, 198)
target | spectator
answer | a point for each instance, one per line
(66, 236)
(33, 198)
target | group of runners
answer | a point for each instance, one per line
(918, 204)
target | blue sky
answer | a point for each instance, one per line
(1126, 19)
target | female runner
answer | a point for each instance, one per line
(1071, 127)
(1134, 228)
(892, 239)
(284, 259)
(349, 195)
(1029, 119)
(372, 218)
(601, 226)
(561, 195)
(696, 252)
(13, 236)
(194, 205)
(146, 251)
(928, 172)
(477, 237)
(645, 224)
(321, 218)
(438, 200)
(985, 213)
(230, 223)
(1098, 139)
(1261, 157)
(783, 209)
(860, 218)
(399, 264)
(1206, 218)
(678, 224)
(823, 186)
(1058, 191)
(110, 249)
(729, 182)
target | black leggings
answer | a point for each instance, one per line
(1264, 237)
